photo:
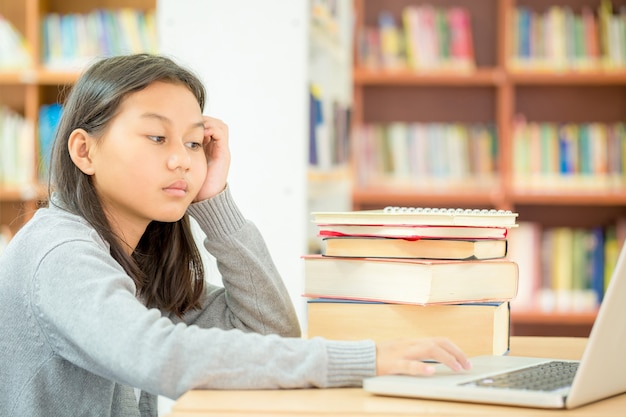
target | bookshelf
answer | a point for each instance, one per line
(496, 91)
(25, 88)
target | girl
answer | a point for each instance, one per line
(103, 305)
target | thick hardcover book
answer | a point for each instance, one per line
(418, 216)
(477, 328)
(375, 247)
(410, 281)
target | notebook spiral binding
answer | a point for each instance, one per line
(450, 211)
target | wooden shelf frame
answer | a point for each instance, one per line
(557, 323)
(480, 76)
(555, 317)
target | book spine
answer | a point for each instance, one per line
(72, 40)
(16, 145)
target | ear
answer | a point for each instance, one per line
(79, 145)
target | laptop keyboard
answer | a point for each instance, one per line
(547, 376)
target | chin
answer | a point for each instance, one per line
(170, 217)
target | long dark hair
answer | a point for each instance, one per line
(166, 265)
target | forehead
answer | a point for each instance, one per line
(161, 96)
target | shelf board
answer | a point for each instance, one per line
(11, 77)
(617, 77)
(486, 77)
(580, 198)
(480, 77)
(577, 318)
(23, 193)
(38, 76)
(55, 77)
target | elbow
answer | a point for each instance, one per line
(294, 332)
(290, 329)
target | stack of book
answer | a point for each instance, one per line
(399, 272)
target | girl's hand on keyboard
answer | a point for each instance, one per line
(406, 356)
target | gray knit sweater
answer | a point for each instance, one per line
(75, 340)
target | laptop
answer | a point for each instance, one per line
(601, 373)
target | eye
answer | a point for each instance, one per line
(194, 145)
(157, 139)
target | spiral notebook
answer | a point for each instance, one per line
(601, 373)
(420, 216)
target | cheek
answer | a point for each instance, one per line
(132, 168)
(199, 169)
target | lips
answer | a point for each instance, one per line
(179, 186)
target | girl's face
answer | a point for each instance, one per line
(150, 162)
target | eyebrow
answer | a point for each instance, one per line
(166, 120)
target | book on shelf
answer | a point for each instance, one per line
(477, 328)
(329, 122)
(382, 247)
(585, 156)
(572, 269)
(47, 123)
(420, 38)
(562, 268)
(563, 38)
(461, 41)
(391, 47)
(13, 48)
(16, 146)
(410, 281)
(412, 232)
(72, 40)
(420, 216)
(426, 155)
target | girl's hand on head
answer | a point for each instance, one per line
(405, 356)
(218, 158)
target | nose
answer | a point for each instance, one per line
(179, 158)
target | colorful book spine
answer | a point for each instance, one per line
(427, 154)
(561, 268)
(16, 145)
(14, 52)
(560, 38)
(421, 38)
(48, 121)
(72, 40)
(551, 156)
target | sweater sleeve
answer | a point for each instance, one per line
(254, 297)
(87, 313)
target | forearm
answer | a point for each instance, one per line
(254, 297)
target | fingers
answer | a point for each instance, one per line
(217, 153)
(215, 130)
(419, 368)
(446, 352)
(407, 356)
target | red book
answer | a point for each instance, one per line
(461, 43)
(413, 232)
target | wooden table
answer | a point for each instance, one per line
(356, 402)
